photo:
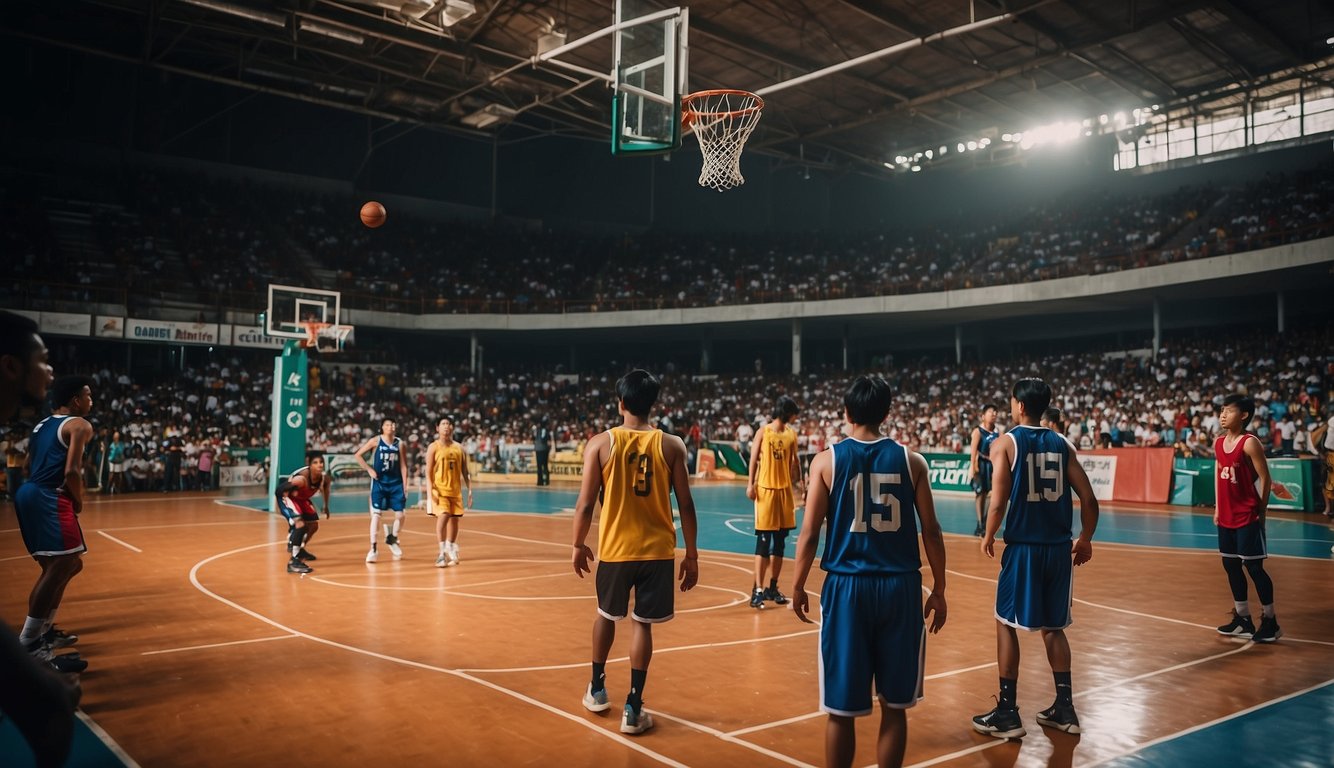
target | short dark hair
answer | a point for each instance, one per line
(1244, 404)
(1035, 394)
(638, 390)
(66, 388)
(988, 407)
(387, 420)
(867, 400)
(785, 408)
(16, 334)
(314, 454)
(1052, 414)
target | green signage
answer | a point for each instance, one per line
(288, 425)
(949, 471)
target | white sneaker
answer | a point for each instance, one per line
(630, 723)
(596, 702)
(453, 557)
(440, 561)
(372, 556)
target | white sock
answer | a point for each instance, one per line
(375, 529)
(1267, 611)
(1243, 608)
(398, 524)
(454, 548)
(32, 630)
(443, 547)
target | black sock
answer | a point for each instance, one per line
(1007, 694)
(773, 584)
(1064, 693)
(636, 697)
(599, 676)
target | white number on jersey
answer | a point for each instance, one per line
(1046, 466)
(885, 516)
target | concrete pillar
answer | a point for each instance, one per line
(1157, 327)
(705, 355)
(474, 354)
(958, 344)
(796, 346)
(845, 348)
(1282, 320)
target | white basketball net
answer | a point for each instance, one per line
(723, 121)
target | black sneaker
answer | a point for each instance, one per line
(59, 638)
(977, 531)
(296, 566)
(1061, 717)
(304, 555)
(757, 598)
(1240, 626)
(68, 664)
(1001, 722)
(1268, 632)
(773, 595)
(390, 539)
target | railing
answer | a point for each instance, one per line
(214, 307)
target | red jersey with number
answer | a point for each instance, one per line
(1234, 484)
(303, 495)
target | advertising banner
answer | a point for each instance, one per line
(64, 323)
(1101, 470)
(109, 327)
(241, 474)
(1139, 474)
(288, 423)
(949, 471)
(253, 336)
(171, 332)
(1293, 484)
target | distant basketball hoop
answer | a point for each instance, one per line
(326, 337)
(722, 120)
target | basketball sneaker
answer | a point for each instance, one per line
(304, 555)
(1001, 722)
(635, 722)
(453, 557)
(1062, 718)
(68, 663)
(297, 566)
(373, 555)
(757, 598)
(392, 541)
(1240, 626)
(596, 701)
(774, 596)
(1268, 632)
(442, 561)
(55, 637)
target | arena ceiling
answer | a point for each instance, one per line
(1052, 60)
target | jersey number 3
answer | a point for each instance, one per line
(885, 516)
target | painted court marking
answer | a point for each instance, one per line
(118, 541)
(106, 739)
(218, 645)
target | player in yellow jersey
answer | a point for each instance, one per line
(447, 476)
(774, 472)
(632, 468)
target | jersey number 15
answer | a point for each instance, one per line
(884, 513)
(1046, 466)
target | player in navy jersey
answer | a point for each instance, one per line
(979, 450)
(48, 508)
(871, 491)
(1035, 470)
(389, 482)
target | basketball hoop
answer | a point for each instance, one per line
(312, 340)
(723, 120)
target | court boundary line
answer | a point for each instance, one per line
(128, 546)
(217, 645)
(110, 743)
(1211, 723)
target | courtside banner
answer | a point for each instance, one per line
(240, 475)
(65, 323)
(949, 471)
(253, 336)
(1101, 470)
(170, 332)
(109, 327)
(1138, 474)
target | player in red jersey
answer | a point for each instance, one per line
(1240, 517)
(294, 501)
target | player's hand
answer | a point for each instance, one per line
(374, 475)
(801, 603)
(326, 513)
(989, 545)
(750, 492)
(935, 608)
(580, 560)
(1215, 517)
(469, 504)
(689, 574)
(1082, 550)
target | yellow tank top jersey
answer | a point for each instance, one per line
(776, 458)
(447, 470)
(636, 504)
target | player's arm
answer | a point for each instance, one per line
(326, 485)
(467, 480)
(933, 540)
(753, 468)
(1078, 479)
(287, 486)
(1261, 464)
(78, 435)
(403, 462)
(794, 472)
(589, 490)
(360, 456)
(1002, 477)
(674, 451)
(974, 453)
(817, 506)
(432, 498)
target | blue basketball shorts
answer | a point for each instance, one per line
(386, 497)
(871, 630)
(1246, 542)
(1035, 587)
(47, 521)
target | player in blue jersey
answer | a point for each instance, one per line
(1035, 470)
(980, 469)
(872, 492)
(48, 508)
(389, 481)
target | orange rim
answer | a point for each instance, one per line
(688, 113)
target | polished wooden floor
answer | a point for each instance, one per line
(205, 652)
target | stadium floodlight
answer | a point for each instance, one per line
(241, 12)
(962, 147)
(943, 149)
(916, 168)
(972, 145)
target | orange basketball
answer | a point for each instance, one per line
(372, 214)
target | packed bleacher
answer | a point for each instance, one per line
(207, 240)
(168, 427)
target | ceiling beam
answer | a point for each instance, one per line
(1260, 30)
(1229, 62)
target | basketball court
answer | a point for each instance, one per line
(209, 649)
